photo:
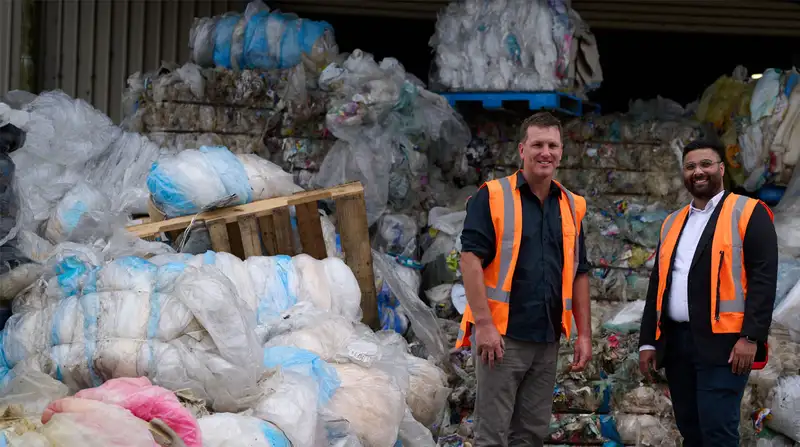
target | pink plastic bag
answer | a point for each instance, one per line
(90, 423)
(147, 402)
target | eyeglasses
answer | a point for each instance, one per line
(704, 165)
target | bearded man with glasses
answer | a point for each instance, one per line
(710, 299)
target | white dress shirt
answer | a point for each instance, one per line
(687, 246)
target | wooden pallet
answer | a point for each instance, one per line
(264, 228)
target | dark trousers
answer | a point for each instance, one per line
(705, 398)
(515, 398)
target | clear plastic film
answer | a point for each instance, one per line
(422, 318)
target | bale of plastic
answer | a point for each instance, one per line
(261, 38)
(518, 46)
(195, 180)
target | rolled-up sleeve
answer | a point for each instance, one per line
(478, 235)
(583, 261)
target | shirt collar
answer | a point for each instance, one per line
(554, 189)
(710, 205)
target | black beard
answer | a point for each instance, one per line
(710, 190)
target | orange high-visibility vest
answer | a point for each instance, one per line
(728, 278)
(505, 205)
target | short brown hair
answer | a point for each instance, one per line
(538, 119)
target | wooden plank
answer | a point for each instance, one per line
(310, 229)
(218, 231)
(251, 240)
(268, 235)
(351, 216)
(258, 209)
(282, 224)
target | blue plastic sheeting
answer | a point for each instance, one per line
(390, 312)
(172, 189)
(231, 171)
(306, 363)
(273, 435)
(297, 37)
(277, 296)
(223, 36)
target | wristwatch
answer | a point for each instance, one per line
(750, 339)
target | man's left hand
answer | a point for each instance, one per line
(583, 353)
(742, 356)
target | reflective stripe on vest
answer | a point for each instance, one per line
(728, 280)
(506, 209)
(506, 251)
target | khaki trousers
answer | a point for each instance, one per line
(515, 398)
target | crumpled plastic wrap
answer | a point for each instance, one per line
(371, 402)
(86, 422)
(756, 120)
(388, 127)
(515, 45)
(196, 180)
(237, 430)
(427, 391)
(72, 155)
(422, 319)
(261, 39)
(647, 430)
(784, 407)
(147, 402)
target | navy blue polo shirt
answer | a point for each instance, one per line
(535, 301)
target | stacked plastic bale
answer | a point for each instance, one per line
(516, 45)
(757, 121)
(270, 113)
(259, 99)
(277, 335)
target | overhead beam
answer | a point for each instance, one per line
(742, 17)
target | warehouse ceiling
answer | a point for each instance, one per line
(742, 17)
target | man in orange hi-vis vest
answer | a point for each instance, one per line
(709, 304)
(524, 267)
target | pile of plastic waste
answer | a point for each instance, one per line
(516, 45)
(76, 177)
(261, 39)
(757, 121)
(277, 338)
(388, 127)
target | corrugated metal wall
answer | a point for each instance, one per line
(10, 44)
(88, 48)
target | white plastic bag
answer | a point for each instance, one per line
(236, 430)
(371, 401)
(785, 408)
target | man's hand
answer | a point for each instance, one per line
(583, 353)
(490, 344)
(742, 356)
(647, 363)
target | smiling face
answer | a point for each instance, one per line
(541, 152)
(703, 171)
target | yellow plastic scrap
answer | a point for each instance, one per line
(733, 165)
(720, 101)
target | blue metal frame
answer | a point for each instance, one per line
(558, 101)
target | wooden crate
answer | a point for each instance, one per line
(264, 228)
